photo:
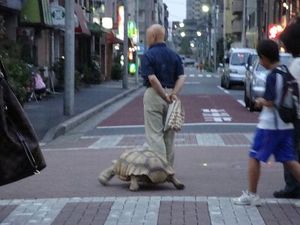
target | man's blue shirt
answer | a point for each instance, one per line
(162, 62)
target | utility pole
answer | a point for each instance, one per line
(244, 23)
(138, 38)
(216, 23)
(209, 38)
(125, 47)
(69, 59)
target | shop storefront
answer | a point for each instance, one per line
(9, 12)
(82, 39)
(35, 30)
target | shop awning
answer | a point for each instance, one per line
(36, 12)
(94, 28)
(112, 39)
(46, 12)
(82, 27)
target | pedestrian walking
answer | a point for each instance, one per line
(272, 136)
(163, 76)
(38, 85)
(290, 39)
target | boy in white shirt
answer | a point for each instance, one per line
(272, 136)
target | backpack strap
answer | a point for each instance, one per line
(3, 73)
(279, 86)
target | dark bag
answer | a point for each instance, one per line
(289, 100)
(20, 154)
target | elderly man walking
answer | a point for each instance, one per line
(163, 75)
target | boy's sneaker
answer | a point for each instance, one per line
(247, 198)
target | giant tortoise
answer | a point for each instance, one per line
(140, 166)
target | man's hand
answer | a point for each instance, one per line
(173, 97)
(167, 98)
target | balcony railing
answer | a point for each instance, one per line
(237, 26)
(237, 6)
(12, 4)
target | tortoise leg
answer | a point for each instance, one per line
(106, 175)
(134, 186)
(176, 182)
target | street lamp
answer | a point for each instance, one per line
(205, 8)
(182, 34)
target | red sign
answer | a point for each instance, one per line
(274, 30)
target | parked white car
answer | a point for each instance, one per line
(255, 80)
(234, 69)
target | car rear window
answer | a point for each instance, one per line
(284, 59)
(239, 59)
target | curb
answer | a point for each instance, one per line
(73, 122)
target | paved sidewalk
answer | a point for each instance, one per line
(168, 210)
(47, 116)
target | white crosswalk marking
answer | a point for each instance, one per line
(216, 115)
(106, 142)
(209, 140)
(200, 75)
(117, 142)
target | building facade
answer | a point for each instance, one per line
(9, 12)
(262, 15)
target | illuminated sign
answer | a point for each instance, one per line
(121, 15)
(274, 30)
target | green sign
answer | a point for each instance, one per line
(132, 30)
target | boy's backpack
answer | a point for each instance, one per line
(288, 106)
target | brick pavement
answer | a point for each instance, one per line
(168, 210)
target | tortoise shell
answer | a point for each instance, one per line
(143, 163)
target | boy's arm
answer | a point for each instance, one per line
(270, 92)
(259, 102)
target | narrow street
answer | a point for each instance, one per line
(210, 159)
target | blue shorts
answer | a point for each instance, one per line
(280, 143)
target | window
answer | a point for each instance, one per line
(239, 58)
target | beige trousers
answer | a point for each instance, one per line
(155, 112)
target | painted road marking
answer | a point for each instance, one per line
(106, 142)
(216, 115)
(117, 142)
(185, 125)
(192, 82)
(241, 102)
(224, 90)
